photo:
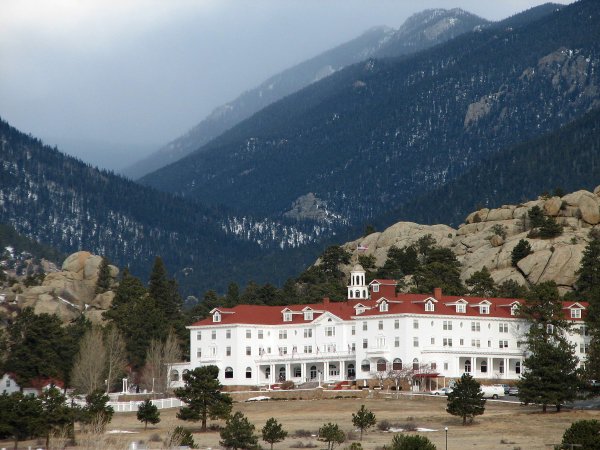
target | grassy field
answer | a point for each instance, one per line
(506, 426)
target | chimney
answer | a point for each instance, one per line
(437, 293)
(325, 301)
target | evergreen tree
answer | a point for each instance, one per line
(511, 289)
(273, 432)
(588, 288)
(536, 217)
(21, 416)
(520, 251)
(363, 420)
(550, 375)
(164, 292)
(232, 297)
(238, 433)
(181, 437)
(481, 284)
(466, 399)
(203, 397)
(439, 269)
(331, 259)
(97, 410)
(57, 415)
(584, 434)
(550, 228)
(332, 434)
(104, 279)
(148, 412)
(408, 442)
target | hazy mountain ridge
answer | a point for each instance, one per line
(375, 134)
(420, 31)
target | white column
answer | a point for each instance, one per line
(490, 363)
(288, 368)
(505, 367)
(272, 377)
(342, 370)
(303, 372)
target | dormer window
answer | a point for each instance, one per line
(429, 306)
(217, 316)
(375, 288)
(461, 308)
(287, 316)
(514, 309)
(484, 309)
(383, 307)
(576, 313)
(308, 315)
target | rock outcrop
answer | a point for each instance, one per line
(488, 237)
(71, 292)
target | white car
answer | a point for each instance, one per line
(442, 391)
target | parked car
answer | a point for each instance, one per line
(513, 390)
(441, 391)
(492, 391)
(506, 387)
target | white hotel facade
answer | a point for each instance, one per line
(374, 330)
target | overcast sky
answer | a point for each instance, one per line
(123, 77)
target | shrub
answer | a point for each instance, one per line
(499, 230)
(287, 385)
(584, 434)
(414, 442)
(304, 434)
(520, 251)
(383, 425)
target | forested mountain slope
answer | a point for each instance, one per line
(377, 134)
(420, 31)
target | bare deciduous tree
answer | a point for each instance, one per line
(158, 360)
(116, 355)
(90, 363)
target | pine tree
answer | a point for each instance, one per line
(104, 279)
(481, 284)
(332, 434)
(238, 433)
(273, 432)
(148, 412)
(466, 399)
(57, 415)
(408, 442)
(164, 291)
(363, 420)
(550, 228)
(536, 217)
(584, 434)
(520, 251)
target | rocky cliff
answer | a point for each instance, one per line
(68, 293)
(488, 237)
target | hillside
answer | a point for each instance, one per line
(420, 31)
(375, 135)
(488, 237)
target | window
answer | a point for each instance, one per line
(583, 347)
(397, 324)
(260, 334)
(397, 341)
(433, 366)
(287, 316)
(503, 344)
(297, 372)
(501, 367)
(475, 343)
(416, 364)
(282, 334)
(228, 334)
(365, 326)
(483, 366)
(365, 365)
(248, 334)
(228, 372)
(375, 288)
(199, 336)
(503, 327)
(329, 331)
(415, 341)
(518, 367)
(383, 307)
(468, 366)
(365, 343)
(429, 306)
(484, 309)
(549, 328)
(228, 351)
(447, 325)
(282, 351)
(447, 342)
(575, 313)
(415, 324)
(213, 334)
(514, 309)
(475, 326)
(217, 316)
(353, 347)
(353, 330)
(199, 353)
(308, 349)
(248, 372)
(308, 315)
(432, 341)
(445, 366)
(461, 342)
(248, 351)
(489, 343)
(308, 332)
(397, 364)
(583, 330)
(380, 325)
(461, 308)
(381, 365)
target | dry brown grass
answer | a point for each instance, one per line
(503, 426)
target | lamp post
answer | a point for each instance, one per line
(446, 430)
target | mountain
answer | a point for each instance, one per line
(420, 31)
(62, 202)
(377, 134)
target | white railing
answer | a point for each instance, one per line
(132, 406)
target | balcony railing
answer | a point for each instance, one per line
(295, 356)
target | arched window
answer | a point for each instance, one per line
(248, 372)
(351, 371)
(518, 367)
(365, 365)
(381, 365)
(313, 372)
(228, 372)
(467, 366)
(483, 366)
(174, 375)
(416, 364)
(397, 364)
(185, 371)
(282, 374)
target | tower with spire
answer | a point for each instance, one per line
(357, 289)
